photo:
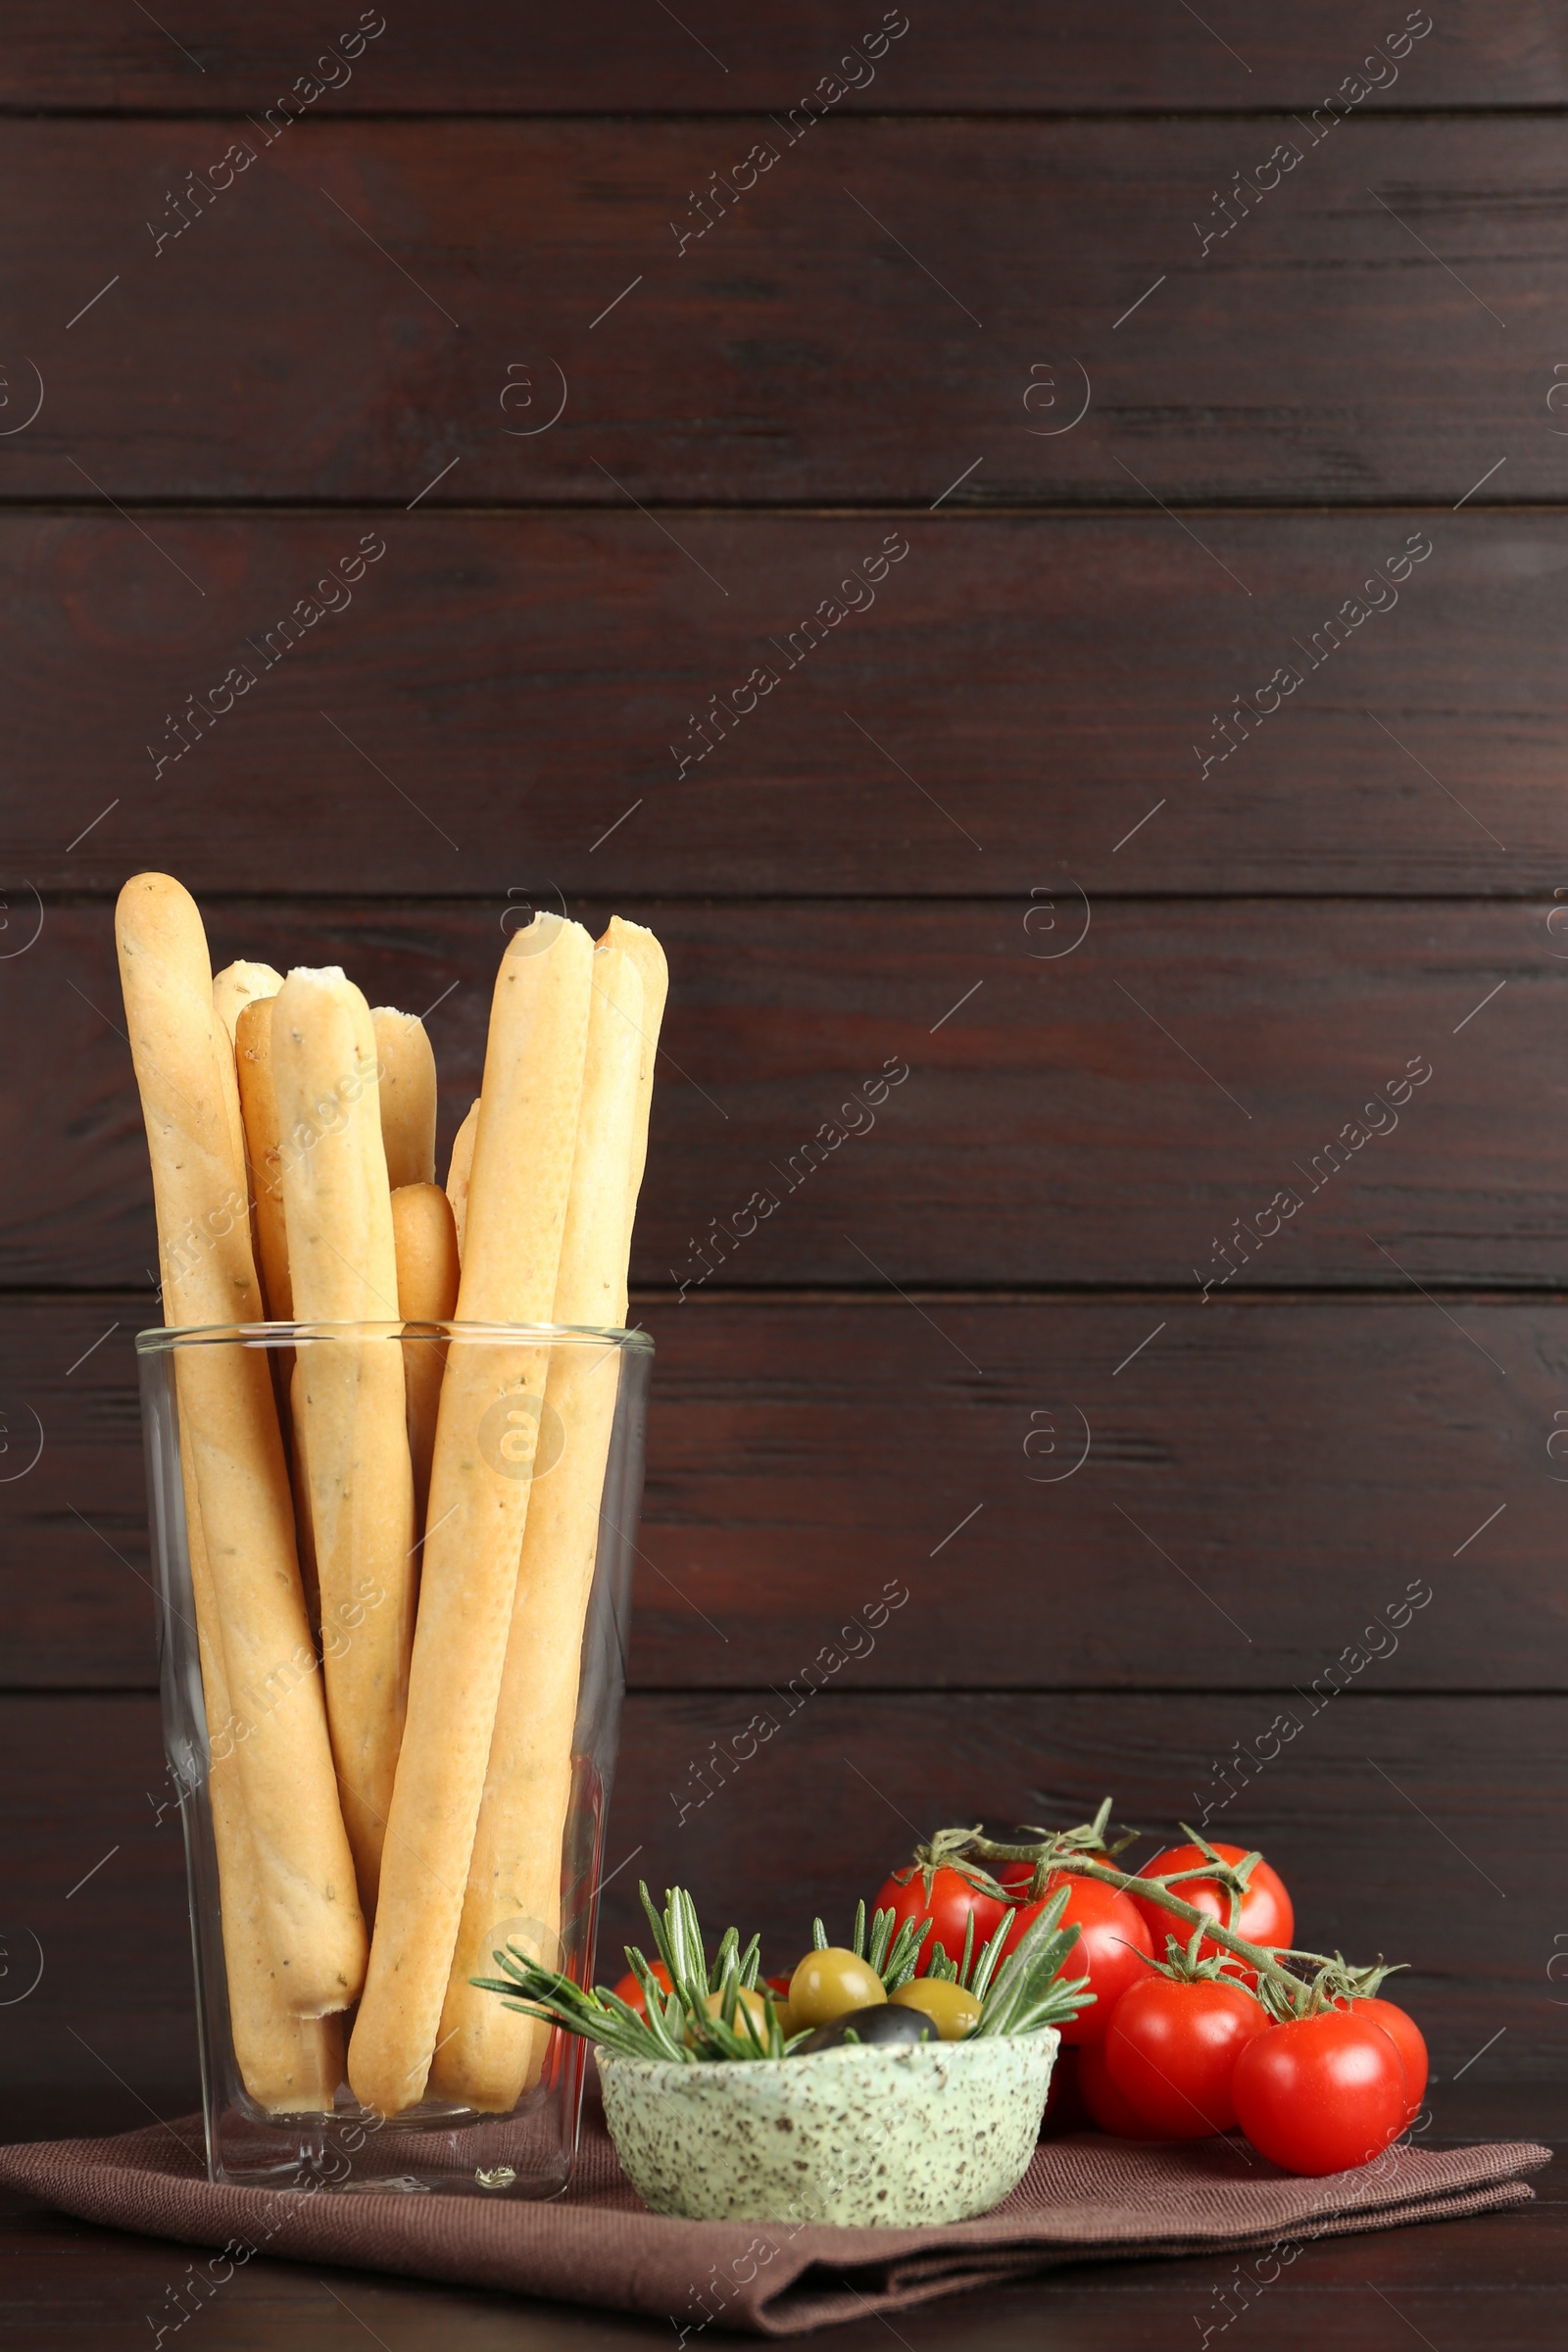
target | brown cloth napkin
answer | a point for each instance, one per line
(1083, 2198)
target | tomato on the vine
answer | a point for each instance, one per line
(1266, 1915)
(631, 1992)
(1407, 2039)
(1320, 2094)
(950, 1901)
(1172, 2050)
(1108, 2109)
(1112, 1943)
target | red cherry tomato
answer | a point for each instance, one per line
(949, 1903)
(631, 1992)
(1111, 1947)
(1108, 2109)
(1172, 2049)
(1321, 2093)
(1267, 1914)
(1406, 2037)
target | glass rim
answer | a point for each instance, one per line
(165, 1339)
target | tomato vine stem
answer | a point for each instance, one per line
(1073, 1852)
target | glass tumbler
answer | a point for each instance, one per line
(394, 1576)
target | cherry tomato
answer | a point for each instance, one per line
(1406, 2037)
(827, 1984)
(1112, 1944)
(631, 1992)
(1172, 2049)
(1107, 2107)
(1321, 2093)
(953, 2010)
(949, 1903)
(1267, 1914)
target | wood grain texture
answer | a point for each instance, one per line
(837, 1788)
(1102, 1117)
(611, 54)
(893, 305)
(506, 703)
(889, 857)
(1288, 1469)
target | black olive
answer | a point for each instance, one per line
(881, 2024)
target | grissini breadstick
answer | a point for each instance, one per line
(304, 1869)
(648, 956)
(488, 2055)
(234, 988)
(491, 1400)
(460, 1172)
(427, 1293)
(405, 1075)
(300, 1487)
(238, 985)
(290, 2065)
(348, 1395)
(257, 1100)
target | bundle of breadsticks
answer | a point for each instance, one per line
(389, 1589)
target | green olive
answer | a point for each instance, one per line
(752, 2002)
(828, 1983)
(953, 2010)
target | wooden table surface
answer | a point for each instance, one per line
(1011, 823)
(1498, 2280)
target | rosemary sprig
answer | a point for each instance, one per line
(1025, 1993)
(678, 2026)
(974, 1974)
(1030, 1992)
(896, 1957)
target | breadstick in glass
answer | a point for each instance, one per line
(406, 1076)
(348, 1395)
(290, 2065)
(491, 1401)
(488, 2055)
(427, 1293)
(234, 988)
(258, 1101)
(459, 1173)
(649, 956)
(304, 1869)
(238, 985)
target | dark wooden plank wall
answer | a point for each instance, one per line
(1023, 696)
(806, 1451)
(767, 359)
(1143, 952)
(986, 56)
(1051, 1129)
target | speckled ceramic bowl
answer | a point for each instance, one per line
(937, 2132)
